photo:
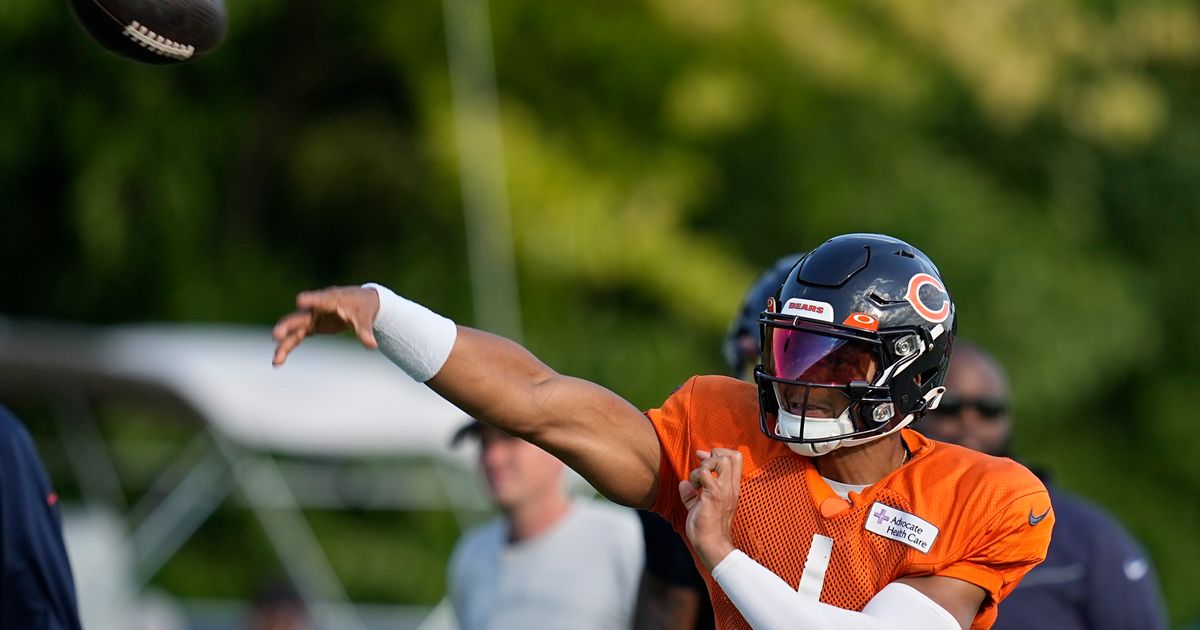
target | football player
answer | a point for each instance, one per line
(874, 525)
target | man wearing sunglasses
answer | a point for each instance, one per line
(846, 520)
(1095, 576)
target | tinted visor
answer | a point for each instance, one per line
(809, 357)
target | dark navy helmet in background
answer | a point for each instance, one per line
(743, 342)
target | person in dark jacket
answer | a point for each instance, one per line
(37, 591)
(1095, 576)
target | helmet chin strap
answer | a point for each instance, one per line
(813, 450)
(828, 427)
(788, 425)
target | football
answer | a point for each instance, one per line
(154, 31)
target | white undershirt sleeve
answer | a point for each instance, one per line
(768, 603)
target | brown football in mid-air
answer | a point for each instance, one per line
(154, 31)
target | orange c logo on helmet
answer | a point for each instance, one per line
(914, 297)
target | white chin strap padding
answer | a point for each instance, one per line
(788, 425)
(814, 450)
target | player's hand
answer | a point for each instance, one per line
(327, 311)
(710, 495)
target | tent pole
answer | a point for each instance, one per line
(482, 174)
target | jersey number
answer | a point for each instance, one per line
(813, 578)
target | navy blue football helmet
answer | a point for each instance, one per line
(855, 344)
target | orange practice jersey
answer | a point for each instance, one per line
(992, 516)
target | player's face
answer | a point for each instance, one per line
(974, 411)
(820, 360)
(516, 471)
(820, 403)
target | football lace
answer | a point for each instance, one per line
(156, 43)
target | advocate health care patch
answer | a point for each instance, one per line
(901, 526)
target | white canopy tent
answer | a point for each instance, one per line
(332, 400)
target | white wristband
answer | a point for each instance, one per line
(413, 337)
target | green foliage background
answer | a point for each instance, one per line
(659, 154)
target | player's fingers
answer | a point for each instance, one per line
(702, 479)
(709, 461)
(366, 335)
(712, 465)
(295, 331)
(285, 347)
(728, 463)
(727, 452)
(720, 467)
(321, 300)
(288, 324)
(688, 494)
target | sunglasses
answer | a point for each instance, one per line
(988, 408)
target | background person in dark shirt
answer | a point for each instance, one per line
(672, 595)
(1095, 576)
(36, 588)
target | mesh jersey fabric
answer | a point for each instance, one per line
(983, 506)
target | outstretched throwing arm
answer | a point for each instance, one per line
(594, 431)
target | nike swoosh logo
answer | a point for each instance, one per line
(1034, 520)
(1136, 569)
